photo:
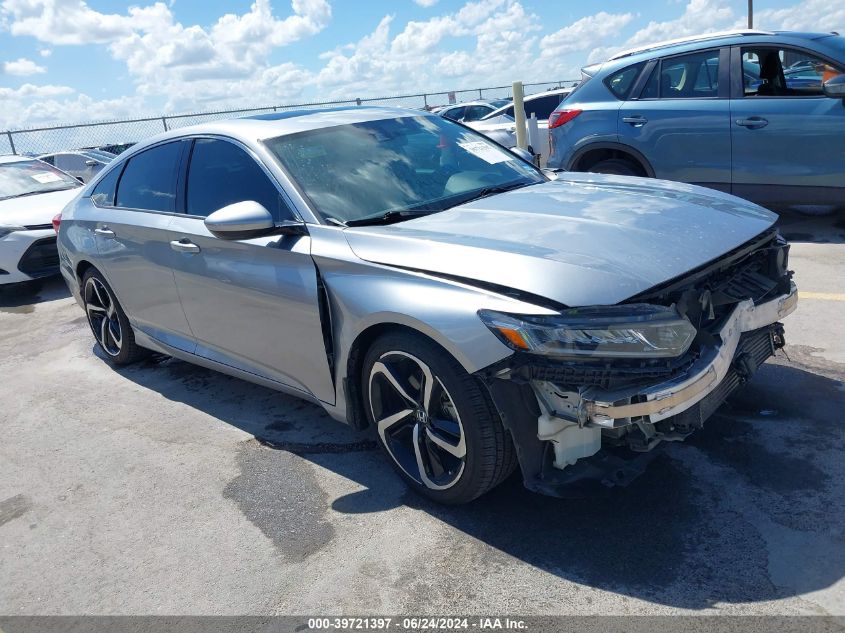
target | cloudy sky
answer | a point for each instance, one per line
(69, 60)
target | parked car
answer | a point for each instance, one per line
(718, 111)
(82, 164)
(472, 110)
(499, 124)
(31, 194)
(436, 288)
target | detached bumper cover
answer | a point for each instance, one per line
(611, 409)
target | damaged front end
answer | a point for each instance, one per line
(589, 395)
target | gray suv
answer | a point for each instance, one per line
(409, 275)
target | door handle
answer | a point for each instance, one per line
(635, 121)
(184, 246)
(753, 122)
(104, 232)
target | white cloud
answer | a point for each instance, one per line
(699, 16)
(30, 91)
(64, 21)
(426, 3)
(23, 67)
(810, 15)
(421, 55)
(45, 52)
(584, 34)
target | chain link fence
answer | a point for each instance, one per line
(119, 134)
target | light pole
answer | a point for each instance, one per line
(750, 14)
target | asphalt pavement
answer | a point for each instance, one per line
(164, 488)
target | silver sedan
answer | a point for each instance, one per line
(414, 277)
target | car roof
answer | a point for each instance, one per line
(259, 127)
(695, 42)
(15, 158)
(528, 99)
(463, 104)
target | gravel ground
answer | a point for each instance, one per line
(168, 489)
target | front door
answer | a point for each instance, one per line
(252, 304)
(787, 136)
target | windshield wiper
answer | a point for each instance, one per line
(37, 193)
(397, 215)
(491, 191)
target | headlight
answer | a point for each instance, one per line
(626, 331)
(5, 230)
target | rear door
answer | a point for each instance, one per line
(680, 121)
(252, 304)
(788, 137)
(135, 208)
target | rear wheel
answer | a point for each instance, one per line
(108, 321)
(616, 166)
(434, 420)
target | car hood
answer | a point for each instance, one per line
(33, 210)
(585, 239)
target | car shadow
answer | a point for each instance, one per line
(22, 298)
(738, 514)
(827, 229)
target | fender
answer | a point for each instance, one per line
(622, 147)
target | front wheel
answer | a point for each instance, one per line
(108, 321)
(616, 166)
(434, 420)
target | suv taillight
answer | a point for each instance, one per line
(57, 220)
(560, 117)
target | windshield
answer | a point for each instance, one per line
(367, 170)
(500, 103)
(29, 177)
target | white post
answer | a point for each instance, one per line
(534, 134)
(519, 115)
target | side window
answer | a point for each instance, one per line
(149, 179)
(621, 82)
(454, 113)
(542, 106)
(220, 174)
(103, 194)
(70, 162)
(50, 160)
(694, 76)
(784, 72)
(473, 113)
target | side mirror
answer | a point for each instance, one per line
(240, 221)
(524, 154)
(91, 163)
(835, 87)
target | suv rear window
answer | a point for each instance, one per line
(621, 82)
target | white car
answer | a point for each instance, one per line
(32, 193)
(500, 126)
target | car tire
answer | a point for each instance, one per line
(615, 166)
(109, 323)
(451, 449)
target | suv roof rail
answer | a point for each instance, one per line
(684, 40)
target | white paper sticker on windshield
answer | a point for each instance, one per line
(486, 152)
(46, 176)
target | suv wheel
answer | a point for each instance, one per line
(108, 321)
(434, 420)
(616, 166)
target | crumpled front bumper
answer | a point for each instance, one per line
(609, 409)
(688, 399)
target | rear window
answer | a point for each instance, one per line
(621, 82)
(149, 179)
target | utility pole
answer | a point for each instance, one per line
(750, 14)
